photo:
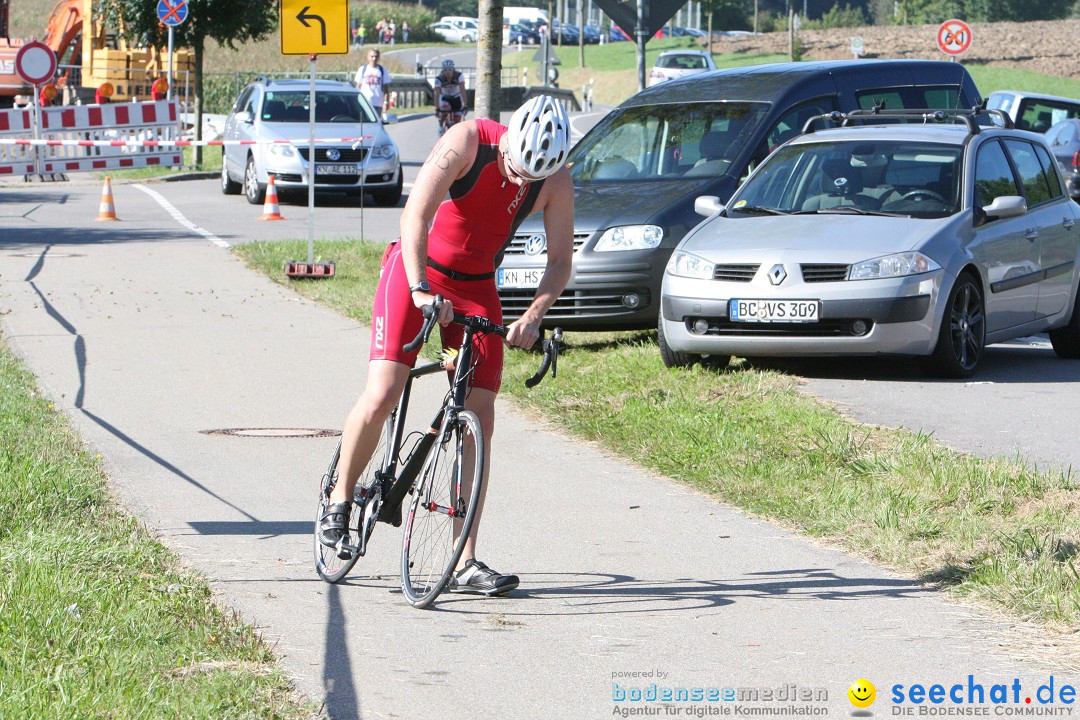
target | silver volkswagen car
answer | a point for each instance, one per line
(269, 112)
(929, 240)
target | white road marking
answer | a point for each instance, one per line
(179, 217)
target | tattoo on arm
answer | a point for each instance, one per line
(442, 156)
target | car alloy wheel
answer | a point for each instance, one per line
(228, 185)
(963, 331)
(252, 190)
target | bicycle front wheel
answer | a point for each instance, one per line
(443, 510)
(330, 565)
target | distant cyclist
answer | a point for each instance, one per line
(449, 96)
(475, 188)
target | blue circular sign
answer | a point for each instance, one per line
(172, 12)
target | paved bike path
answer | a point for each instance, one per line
(149, 337)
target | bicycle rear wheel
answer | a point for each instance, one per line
(330, 566)
(442, 511)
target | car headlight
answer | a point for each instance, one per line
(630, 237)
(898, 265)
(684, 264)
(384, 151)
(282, 149)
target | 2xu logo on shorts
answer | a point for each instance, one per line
(380, 334)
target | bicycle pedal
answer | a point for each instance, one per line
(344, 550)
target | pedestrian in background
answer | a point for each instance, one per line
(391, 30)
(360, 33)
(404, 31)
(372, 80)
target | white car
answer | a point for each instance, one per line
(673, 64)
(453, 33)
(270, 113)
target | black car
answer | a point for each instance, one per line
(1064, 139)
(638, 171)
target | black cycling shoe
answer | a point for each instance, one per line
(334, 523)
(476, 578)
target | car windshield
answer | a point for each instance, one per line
(330, 107)
(666, 142)
(882, 177)
(682, 62)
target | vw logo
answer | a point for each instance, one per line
(333, 154)
(535, 244)
(777, 274)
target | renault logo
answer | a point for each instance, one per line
(777, 274)
(333, 154)
(535, 244)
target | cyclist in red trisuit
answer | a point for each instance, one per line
(475, 188)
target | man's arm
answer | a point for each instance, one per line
(557, 202)
(450, 159)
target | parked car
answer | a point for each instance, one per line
(671, 64)
(564, 33)
(1064, 139)
(1033, 111)
(932, 240)
(464, 23)
(453, 33)
(524, 35)
(592, 34)
(272, 111)
(636, 173)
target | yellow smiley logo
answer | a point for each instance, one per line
(862, 693)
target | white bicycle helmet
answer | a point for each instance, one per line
(447, 64)
(538, 137)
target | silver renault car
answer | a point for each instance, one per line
(931, 238)
(269, 113)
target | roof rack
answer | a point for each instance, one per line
(927, 116)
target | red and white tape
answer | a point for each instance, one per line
(170, 143)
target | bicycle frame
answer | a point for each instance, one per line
(401, 482)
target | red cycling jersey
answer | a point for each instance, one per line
(468, 234)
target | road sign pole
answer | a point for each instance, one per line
(168, 92)
(311, 164)
(36, 114)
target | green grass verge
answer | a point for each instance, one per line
(993, 531)
(96, 618)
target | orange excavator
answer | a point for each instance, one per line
(88, 57)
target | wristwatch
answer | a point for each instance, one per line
(421, 286)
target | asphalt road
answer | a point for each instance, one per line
(148, 334)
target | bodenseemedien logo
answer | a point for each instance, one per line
(862, 693)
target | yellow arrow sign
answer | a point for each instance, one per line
(314, 26)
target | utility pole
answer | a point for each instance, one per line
(489, 60)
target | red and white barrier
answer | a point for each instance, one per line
(89, 137)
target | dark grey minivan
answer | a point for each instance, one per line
(637, 172)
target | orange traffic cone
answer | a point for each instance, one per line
(271, 211)
(107, 210)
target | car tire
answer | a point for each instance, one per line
(962, 337)
(253, 191)
(228, 185)
(1066, 340)
(389, 197)
(467, 38)
(676, 359)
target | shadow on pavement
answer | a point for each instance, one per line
(1025, 360)
(341, 699)
(590, 594)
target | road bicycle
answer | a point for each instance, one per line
(448, 118)
(442, 469)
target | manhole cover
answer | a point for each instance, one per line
(274, 432)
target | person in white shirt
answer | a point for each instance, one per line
(372, 80)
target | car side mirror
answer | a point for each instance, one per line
(708, 205)
(389, 118)
(243, 116)
(1005, 206)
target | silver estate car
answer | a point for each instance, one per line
(275, 110)
(929, 240)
